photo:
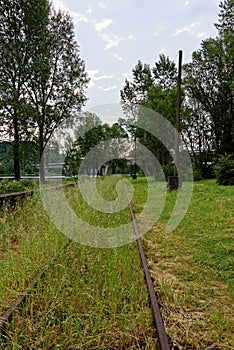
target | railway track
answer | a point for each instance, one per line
(21, 299)
(163, 339)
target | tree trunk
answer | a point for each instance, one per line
(16, 148)
(41, 150)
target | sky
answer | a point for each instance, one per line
(114, 34)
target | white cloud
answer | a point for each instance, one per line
(186, 3)
(110, 88)
(101, 77)
(89, 9)
(132, 37)
(93, 72)
(102, 5)
(189, 29)
(76, 16)
(114, 40)
(201, 35)
(120, 58)
(99, 26)
(111, 41)
(93, 76)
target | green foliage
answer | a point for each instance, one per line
(197, 174)
(135, 91)
(165, 73)
(224, 170)
(155, 89)
(43, 78)
(207, 110)
(209, 81)
(89, 134)
(7, 186)
(168, 170)
(6, 161)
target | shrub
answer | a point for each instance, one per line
(224, 170)
(168, 170)
(197, 174)
(7, 186)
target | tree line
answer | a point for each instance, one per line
(207, 113)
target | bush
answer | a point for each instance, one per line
(168, 170)
(197, 174)
(224, 170)
(7, 186)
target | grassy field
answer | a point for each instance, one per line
(97, 299)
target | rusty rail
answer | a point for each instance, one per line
(163, 339)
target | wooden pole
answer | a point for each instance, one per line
(178, 105)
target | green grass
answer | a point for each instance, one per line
(90, 298)
(193, 267)
(27, 243)
(97, 299)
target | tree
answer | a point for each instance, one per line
(116, 147)
(102, 139)
(14, 55)
(42, 76)
(199, 138)
(165, 73)
(88, 134)
(158, 92)
(209, 79)
(135, 92)
(58, 83)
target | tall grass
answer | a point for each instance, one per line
(193, 268)
(90, 298)
(97, 299)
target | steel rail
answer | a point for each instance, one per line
(163, 339)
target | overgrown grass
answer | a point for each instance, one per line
(96, 298)
(28, 241)
(193, 268)
(90, 298)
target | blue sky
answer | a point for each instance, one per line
(114, 35)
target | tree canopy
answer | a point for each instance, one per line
(43, 78)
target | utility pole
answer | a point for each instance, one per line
(174, 181)
(178, 105)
